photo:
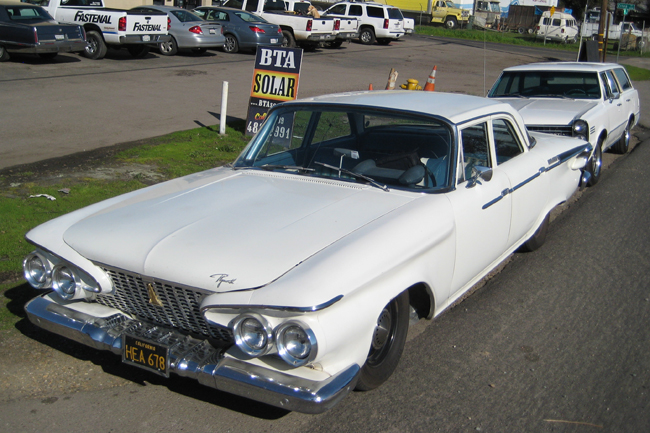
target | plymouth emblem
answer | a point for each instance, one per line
(221, 278)
(153, 297)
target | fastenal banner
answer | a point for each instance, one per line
(275, 80)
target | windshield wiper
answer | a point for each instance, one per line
(284, 167)
(514, 95)
(372, 181)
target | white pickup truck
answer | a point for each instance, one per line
(117, 28)
(297, 30)
(345, 28)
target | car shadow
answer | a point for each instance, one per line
(35, 59)
(111, 363)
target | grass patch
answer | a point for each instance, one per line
(166, 157)
(637, 74)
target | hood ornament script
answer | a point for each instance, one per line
(222, 278)
(153, 297)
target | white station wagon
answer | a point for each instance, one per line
(291, 276)
(593, 101)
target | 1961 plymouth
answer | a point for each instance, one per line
(291, 276)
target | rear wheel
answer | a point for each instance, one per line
(168, 48)
(231, 45)
(96, 48)
(138, 51)
(596, 163)
(367, 36)
(451, 23)
(537, 239)
(387, 343)
(288, 41)
(4, 55)
(623, 143)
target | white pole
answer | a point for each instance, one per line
(224, 108)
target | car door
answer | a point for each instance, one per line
(529, 187)
(482, 210)
(439, 10)
(614, 102)
(629, 95)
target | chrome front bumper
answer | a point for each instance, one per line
(197, 359)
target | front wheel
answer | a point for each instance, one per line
(367, 36)
(288, 41)
(96, 48)
(168, 48)
(387, 343)
(231, 45)
(623, 143)
(596, 164)
(451, 23)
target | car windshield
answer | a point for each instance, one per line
(381, 148)
(185, 16)
(26, 13)
(545, 84)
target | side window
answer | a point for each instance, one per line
(612, 82)
(339, 10)
(475, 150)
(623, 79)
(356, 11)
(332, 125)
(607, 93)
(506, 143)
(375, 12)
(556, 23)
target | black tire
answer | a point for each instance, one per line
(595, 164)
(138, 51)
(367, 36)
(288, 41)
(387, 344)
(96, 48)
(4, 55)
(231, 45)
(538, 238)
(169, 48)
(623, 144)
(451, 23)
(48, 56)
(521, 30)
(384, 41)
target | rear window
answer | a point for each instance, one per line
(24, 13)
(529, 84)
(375, 12)
(395, 14)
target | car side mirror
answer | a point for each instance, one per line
(479, 173)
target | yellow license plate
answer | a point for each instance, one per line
(145, 354)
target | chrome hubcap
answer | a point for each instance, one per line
(382, 330)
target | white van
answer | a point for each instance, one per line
(560, 27)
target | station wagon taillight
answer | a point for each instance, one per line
(309, 23)
(196, 29)
(386, 23)
(256, 29)
(337, 24)
(121, 24)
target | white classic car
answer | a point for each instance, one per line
(594, 101)
(291, 276)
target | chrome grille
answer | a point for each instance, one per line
(181, 305)
(552, 129)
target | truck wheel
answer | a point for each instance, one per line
(138, 51)
(521, 30)
(168, 48)
(451, 23)
(288, 41)
(367, 36)
(4, 55)
(96, 48)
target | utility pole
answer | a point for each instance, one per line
(601, 30)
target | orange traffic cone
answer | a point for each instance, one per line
(431, 81)
(370, 87)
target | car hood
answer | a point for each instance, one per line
(548, 111)
(238, 232)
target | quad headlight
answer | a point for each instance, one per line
(580, 129)
(37, 271)
(64, 282)
(296, 343)
(253, 334)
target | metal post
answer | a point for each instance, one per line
(601, 29)
(224, 108)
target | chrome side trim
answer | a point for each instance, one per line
(197, 359)
(237, 308)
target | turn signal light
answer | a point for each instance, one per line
(196, 29)
(121, 24)
(337, 24)
(386, 23)
(256, 29)
(309, 23)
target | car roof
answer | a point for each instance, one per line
(565, 66)
(367, 4)
(15, 3)
(454, 107)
